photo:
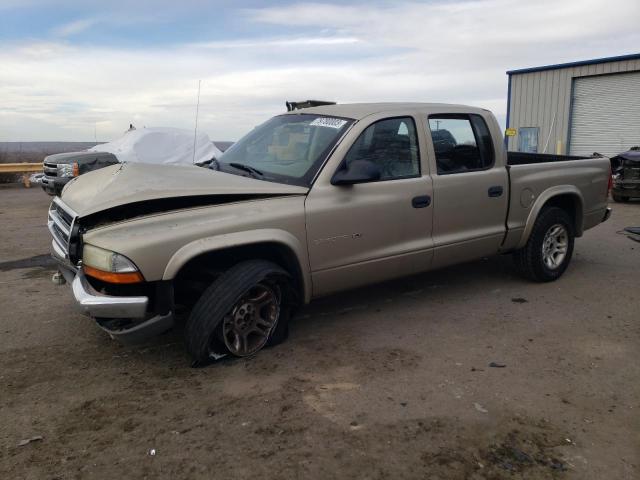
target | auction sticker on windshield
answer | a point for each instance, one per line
(336, 123)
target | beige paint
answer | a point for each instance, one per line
(370, 231)
(241, 238)
(137, 182)
(585, 179)
(458, 235)
(160, 244)
(342, 236)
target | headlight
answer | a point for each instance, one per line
(109, 266)
(68, 170)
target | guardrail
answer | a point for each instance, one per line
(24, 168)
(20, 167)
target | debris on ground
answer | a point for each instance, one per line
(517, 456)
(480, 408)
(497, 365)
(152, 452)
(519, 300)
(632, 233)
(27, 441)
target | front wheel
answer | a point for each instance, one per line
(243, 310)
(548, 251)
(619, 198)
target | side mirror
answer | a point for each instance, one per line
(358, 171)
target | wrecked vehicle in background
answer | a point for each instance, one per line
(313, 202)
(61, 168)
(160, 145)
(625, 169)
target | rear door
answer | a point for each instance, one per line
(470, 188)
(360, 234)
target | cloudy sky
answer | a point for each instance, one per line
(72, 68)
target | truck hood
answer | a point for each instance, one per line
(82, 158)
(164, 187)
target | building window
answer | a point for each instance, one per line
(528, 139)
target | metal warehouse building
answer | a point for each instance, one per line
(575, 108)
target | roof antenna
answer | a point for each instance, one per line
(195, 130)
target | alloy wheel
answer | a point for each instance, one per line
(247, 327)
(555, 246)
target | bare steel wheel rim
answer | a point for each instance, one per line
(555, 246)
(247, 327)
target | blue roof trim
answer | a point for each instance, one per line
(595, 61)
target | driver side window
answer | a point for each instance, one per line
(391, 144)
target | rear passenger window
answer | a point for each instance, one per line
(392, 144)
(462, 143)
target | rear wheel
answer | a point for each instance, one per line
(548, 251)
(245, 309)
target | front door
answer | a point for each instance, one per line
(363, 233)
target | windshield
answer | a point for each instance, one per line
(285, 149)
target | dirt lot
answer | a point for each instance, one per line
(391, 381)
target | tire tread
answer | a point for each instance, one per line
(218, 299)
(528, 260)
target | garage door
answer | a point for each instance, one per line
(606, 114)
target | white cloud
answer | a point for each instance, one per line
(126, 16)
(279, 42)
(478, 31)
(445, 51)
(75, 27)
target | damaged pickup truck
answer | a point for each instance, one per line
(625, 168)
(312, 202)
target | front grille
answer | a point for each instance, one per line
(62, 225)
(630, 173)
(50, 169)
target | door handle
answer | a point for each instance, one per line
(495, 191)
(421, 201)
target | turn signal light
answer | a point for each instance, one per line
(113, 277)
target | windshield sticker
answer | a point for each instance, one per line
(336, 123)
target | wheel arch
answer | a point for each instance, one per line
(567, 197)
(277, 246)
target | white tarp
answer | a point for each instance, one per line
(160, 145)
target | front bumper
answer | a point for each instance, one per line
(54, 185)
(95, 304)
(125, 318)
(626, 188)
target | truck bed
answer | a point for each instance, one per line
(521, 158)
(531, 174)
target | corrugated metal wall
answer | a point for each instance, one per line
(539, 97)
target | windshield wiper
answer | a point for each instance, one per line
(246, 168)
(215, 164)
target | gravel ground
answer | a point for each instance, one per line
(391, 381)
